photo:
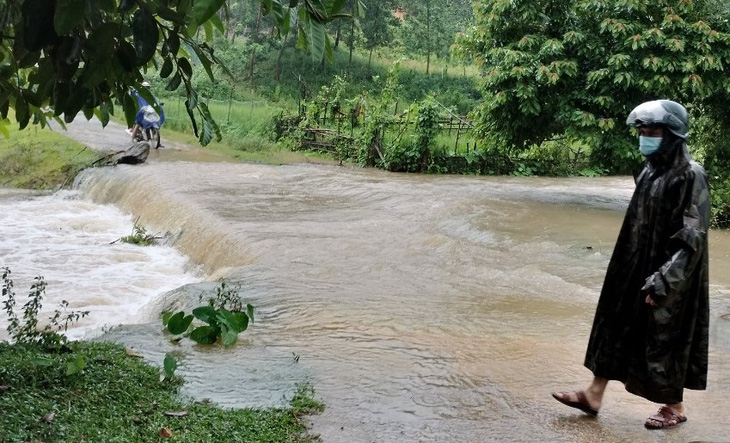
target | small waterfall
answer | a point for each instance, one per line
(188, 227)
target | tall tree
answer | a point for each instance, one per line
(430, 26)
(60, 57)
(377, 25)
(556, 69)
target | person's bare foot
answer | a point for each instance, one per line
(582, 400)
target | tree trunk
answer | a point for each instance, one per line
(351, 43)
(428, 36)
(253, 53)
(278, 60)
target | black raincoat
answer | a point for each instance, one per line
(661, 250)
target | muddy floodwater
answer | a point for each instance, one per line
(420, 308)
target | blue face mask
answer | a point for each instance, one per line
(649, 145)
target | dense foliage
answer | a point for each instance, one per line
(68, 56)
(573, 70)
(554, 69)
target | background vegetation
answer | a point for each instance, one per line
(41, 159)
(541, 87)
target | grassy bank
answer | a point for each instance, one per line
(38, 158)
(119, 398)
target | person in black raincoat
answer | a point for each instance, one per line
(651, 325)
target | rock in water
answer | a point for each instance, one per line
(136, 154)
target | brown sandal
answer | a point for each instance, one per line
(581, 404)
(664, 418)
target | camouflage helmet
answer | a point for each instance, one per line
(667, 113)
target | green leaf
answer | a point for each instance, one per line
(210, 128)
(205, 313)
(205, 335)
(208, 29)
(166, 317)
(166, 69)
(315, 34)
(173, 42)
(22, 112)
(174, 82)
(67, 15)
(76, 101)
(145, 35)
(179, 323)
(235, 321)
(130, 109)
(127, 56)
(203, 10)
(76, 365)
(169, 365)
(102, 40)
(37, 27)
(229, 338)
(42, 362)
(191, 115)
(249, 311)
(168, 14)
(185, 67)
(216, 22)
(102, 113)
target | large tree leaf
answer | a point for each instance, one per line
(22, 112)
(166, 69)
(102, 113)
(314, 31)
(210, 127)
(203, 10)
(67, 15)
(37, 29)
(145, 34)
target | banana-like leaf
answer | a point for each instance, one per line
(316, 37)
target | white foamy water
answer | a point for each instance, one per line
(74, 244)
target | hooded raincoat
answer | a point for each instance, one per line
(661, 250)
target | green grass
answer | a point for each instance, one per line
(38, 158)
(118, 398)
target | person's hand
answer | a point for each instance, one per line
(649, 289)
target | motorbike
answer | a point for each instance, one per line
(149, 128)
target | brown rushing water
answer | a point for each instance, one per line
(421, 308)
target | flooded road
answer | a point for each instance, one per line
(421, 308)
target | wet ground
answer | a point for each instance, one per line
(421, 308)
